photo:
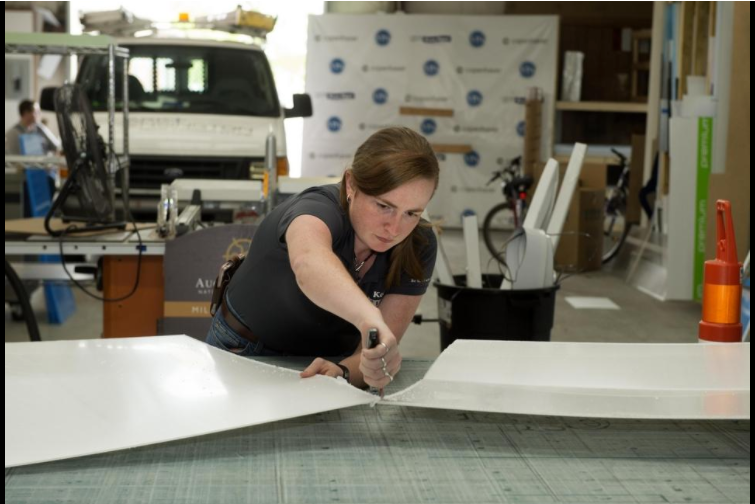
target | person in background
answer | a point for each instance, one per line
(30, 136)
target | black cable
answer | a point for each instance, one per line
(562, 275)
(23, 299)
(129, 218)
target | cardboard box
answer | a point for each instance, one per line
(593, 176)
(580, 248)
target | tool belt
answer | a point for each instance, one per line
(227, 270)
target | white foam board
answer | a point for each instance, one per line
(601, 380)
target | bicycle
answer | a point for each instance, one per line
(514, 187)
(615, 225)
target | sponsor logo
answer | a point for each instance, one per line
(521, 129)
(478, 70)
(380, 96)
(523, 41)
(330, 155)
(477, 38)
(383, 68)
(472, 159)
(431, 68)
(237, 246)
(336, 38)
(527, 69)
(426, 99)
(474, 98)
(428, 127)
(473, 190)
(348, 95)
(518, 100)
(337, 65)
(475, 129)
(432, 39)
(335, 124)
(373, 126)
(383, 37)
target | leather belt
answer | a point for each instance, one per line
(236, 325)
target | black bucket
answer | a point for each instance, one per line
(494, 314)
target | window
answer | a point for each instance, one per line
(190, 79)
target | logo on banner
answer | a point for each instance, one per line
(383, 37)
(383, 68)
(426, 99)
(518, 100)
(337, 65)
(334, 124)
(431, 68)
(380, 96)
(475, 129)
(236, 247)
(478, 70)
(474, 98)
(432, 39)
(471, 159)
(527, 69)
(477, 38)
(331, 155)
(521, 128)
(374, 126)
(429, 126)
(524, 41)
(341, 96)
(336, 38)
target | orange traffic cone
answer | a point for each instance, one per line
(722, 285)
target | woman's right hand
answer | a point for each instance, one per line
(379, 365)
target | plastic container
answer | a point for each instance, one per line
(494, 314)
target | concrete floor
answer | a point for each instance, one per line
(641, 318)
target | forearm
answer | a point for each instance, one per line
(325, 282)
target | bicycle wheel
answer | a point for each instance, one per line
(615, 226)
(497, 229)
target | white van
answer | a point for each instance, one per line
(197, 109)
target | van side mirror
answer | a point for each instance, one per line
(302, 107)
(47, 99)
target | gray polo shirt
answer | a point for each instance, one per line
(265, 295)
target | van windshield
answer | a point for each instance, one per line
(194, 80)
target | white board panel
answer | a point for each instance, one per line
(643, 381)
(73, 398)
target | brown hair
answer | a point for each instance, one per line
(388, 159)
(25, 107)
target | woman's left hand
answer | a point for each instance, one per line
(321, 366)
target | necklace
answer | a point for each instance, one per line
(358, 267)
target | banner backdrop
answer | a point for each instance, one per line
(362, 69)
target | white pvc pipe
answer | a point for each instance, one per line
(472, 244)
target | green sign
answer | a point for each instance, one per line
(704, 161)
